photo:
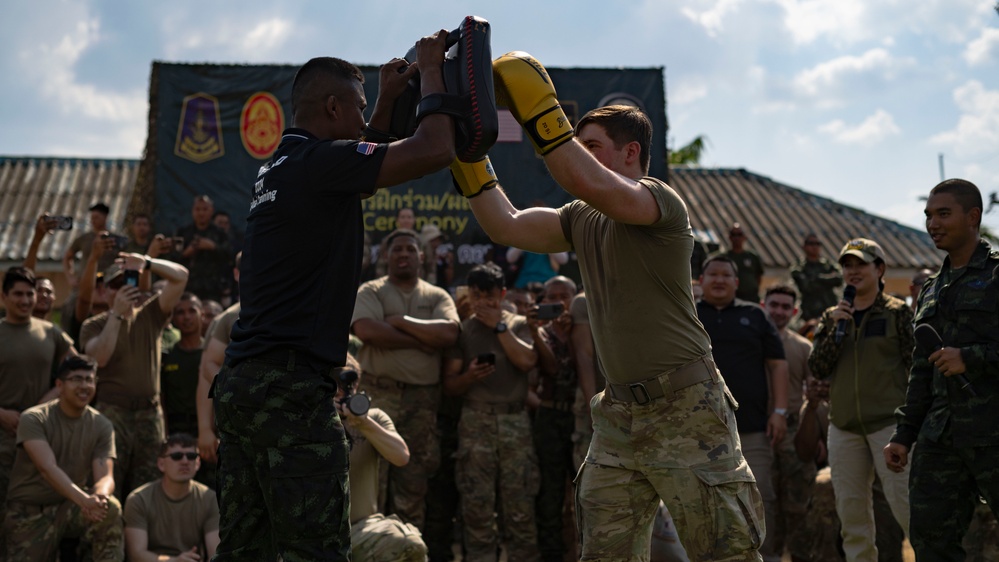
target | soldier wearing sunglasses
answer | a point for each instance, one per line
(175, 515)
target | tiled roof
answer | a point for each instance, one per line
(776, 218)
(30, 186)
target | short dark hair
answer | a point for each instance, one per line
(781, 289)
(561, 279)
(220, 214)
(76, 363)
(101, 207)
(399, 233)
(313, 79)
(138, 216)
(15, 274)
(189, 296)
(623, 124)
(184, 440)
(486, 277)
(967, 194)
(720, 258)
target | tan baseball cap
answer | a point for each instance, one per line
(863, 248)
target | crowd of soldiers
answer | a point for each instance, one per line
(479, 392)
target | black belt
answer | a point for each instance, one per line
(665, 384)
(292, 360)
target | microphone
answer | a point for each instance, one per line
(930, 341)
(849, 293)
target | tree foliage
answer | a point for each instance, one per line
(689, 154)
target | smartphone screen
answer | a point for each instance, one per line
(132, 277)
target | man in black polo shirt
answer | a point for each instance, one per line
(283, 452)
(747, 349)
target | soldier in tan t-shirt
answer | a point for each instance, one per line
(174, 515)
(373, 438)
(29, 351)
(664, 427)
(490, 367)
(405, 324)
(125, 341)
(62, 484)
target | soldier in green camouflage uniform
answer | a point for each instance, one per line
(816, 278)
(956, 431)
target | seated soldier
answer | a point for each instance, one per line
(62, 445)
(174, 516)
(373, 437)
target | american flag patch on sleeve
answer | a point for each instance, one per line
(366, 148)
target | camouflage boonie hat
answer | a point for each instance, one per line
(863, 248)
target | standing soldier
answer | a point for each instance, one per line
(405, 324)
(816, 278)
(950, 405)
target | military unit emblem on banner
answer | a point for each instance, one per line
(260, 124)
(199, 133)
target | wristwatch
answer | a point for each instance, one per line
(781, 411)
(500, 327)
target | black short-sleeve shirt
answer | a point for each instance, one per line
(301, 260)
(742, 338)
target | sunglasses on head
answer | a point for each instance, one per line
(179, 455)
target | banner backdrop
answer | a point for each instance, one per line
(212, 126)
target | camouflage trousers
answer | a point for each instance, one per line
(8, 451)
(413, 409)
(793, 481)
(379, 538)
(442, 490)
(553, 444)
(666, 545)
(33, 532)
(495, 455)
(137, 438)
(584, 429)
(944, 488)
(683, 448)
(820, 525)
(283, 460)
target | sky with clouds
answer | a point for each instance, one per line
(850, 99)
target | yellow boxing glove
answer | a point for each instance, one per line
(523, 86)
(472, 178)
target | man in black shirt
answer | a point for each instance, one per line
(283, 452)
(747, 348)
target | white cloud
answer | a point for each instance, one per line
(827, 82)
(841, 20)
(688, 90)
(876, 128)
(711, 19)
(977, 131)
(256, 40)
(51, 65)
(983, 49)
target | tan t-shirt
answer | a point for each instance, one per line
(507, 384)
(364, 467)
(133, 370)
(173, 526)
(378, 299)
(581, 316)
(637, 281)
(796, 350)
(75, 442)
(28, 353)
(221, 326)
